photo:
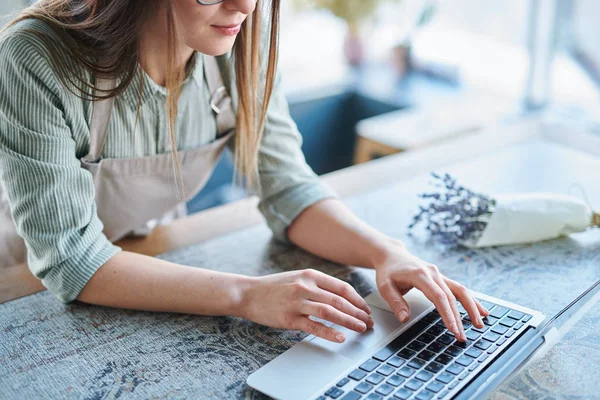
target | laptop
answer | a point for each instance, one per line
(418, 359)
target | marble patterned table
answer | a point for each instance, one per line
(48, 350)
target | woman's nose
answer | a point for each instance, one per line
(243, 6)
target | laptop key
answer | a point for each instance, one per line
(424, 376)
(435, 347)
(342, 382)
(416, 345)
(434, 367)
(464, 360)
(515, 314)
(334, 393)
(445, 377)
(385, 389)
(501, 341)
(499, 329)
(472, 335)
(426, 338)
(509, 333)
(463, 375)
(492, 349)
(453, 384)
(406, 372)
(443, 359)
(443, 394)
(375, 379)
(508, 322)
(406, 353)
(424, 395)
(416, 363)
(403, 394)
(482, 344)
(473, 352)
(483, 358)
(395, 380)
(455, 369)
(488, 306)
(351, 396)
(426, 355)
(321, 398)
(473, 366)
(454, 351)
(445, 339)
(435, 330)
(435, 386)
(498, 311)
(396, 362)
(489, 321)
(373, 396)
(431, 317)
(413, 384)
(357, 374)
(526, 318)
(369, 365)
(463, 345)
(491, 336)
(384, 354)
(518, 326)
(385, 370)
(364, 387)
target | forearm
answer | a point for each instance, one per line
(139, 282)
(330, 230)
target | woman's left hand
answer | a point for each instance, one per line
(399, 271)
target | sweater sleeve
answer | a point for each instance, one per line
(50, 195)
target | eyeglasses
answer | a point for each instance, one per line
(209, 2)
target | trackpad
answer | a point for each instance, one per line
(356, 344)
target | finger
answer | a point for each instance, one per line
(329, 313)
(341, 304)
(342, 289)
(399, 306)
(438, 297)
(452, 301)
(469, 302)
(318, 329)
(482, 310)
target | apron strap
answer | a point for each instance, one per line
(101, 111)
(220, 100)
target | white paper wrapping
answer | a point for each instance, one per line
(533, 217)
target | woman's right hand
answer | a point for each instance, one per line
(286, 300)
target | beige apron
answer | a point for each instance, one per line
(135, 195)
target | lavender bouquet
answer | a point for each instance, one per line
(455, 215)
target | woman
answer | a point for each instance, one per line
(105, 105)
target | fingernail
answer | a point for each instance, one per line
(340, 337)
(361, 327)
(371, 322)
(479, 320)
(403, 316)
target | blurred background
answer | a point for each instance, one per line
(369, 78)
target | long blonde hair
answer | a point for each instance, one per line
(108, 30)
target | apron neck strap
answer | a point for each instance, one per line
(101, 110)
(220, 100)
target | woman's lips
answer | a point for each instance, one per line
(228, 30)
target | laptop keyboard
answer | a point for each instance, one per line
(425, 361)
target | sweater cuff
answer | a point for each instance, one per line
(284, 209)
(67, 280)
